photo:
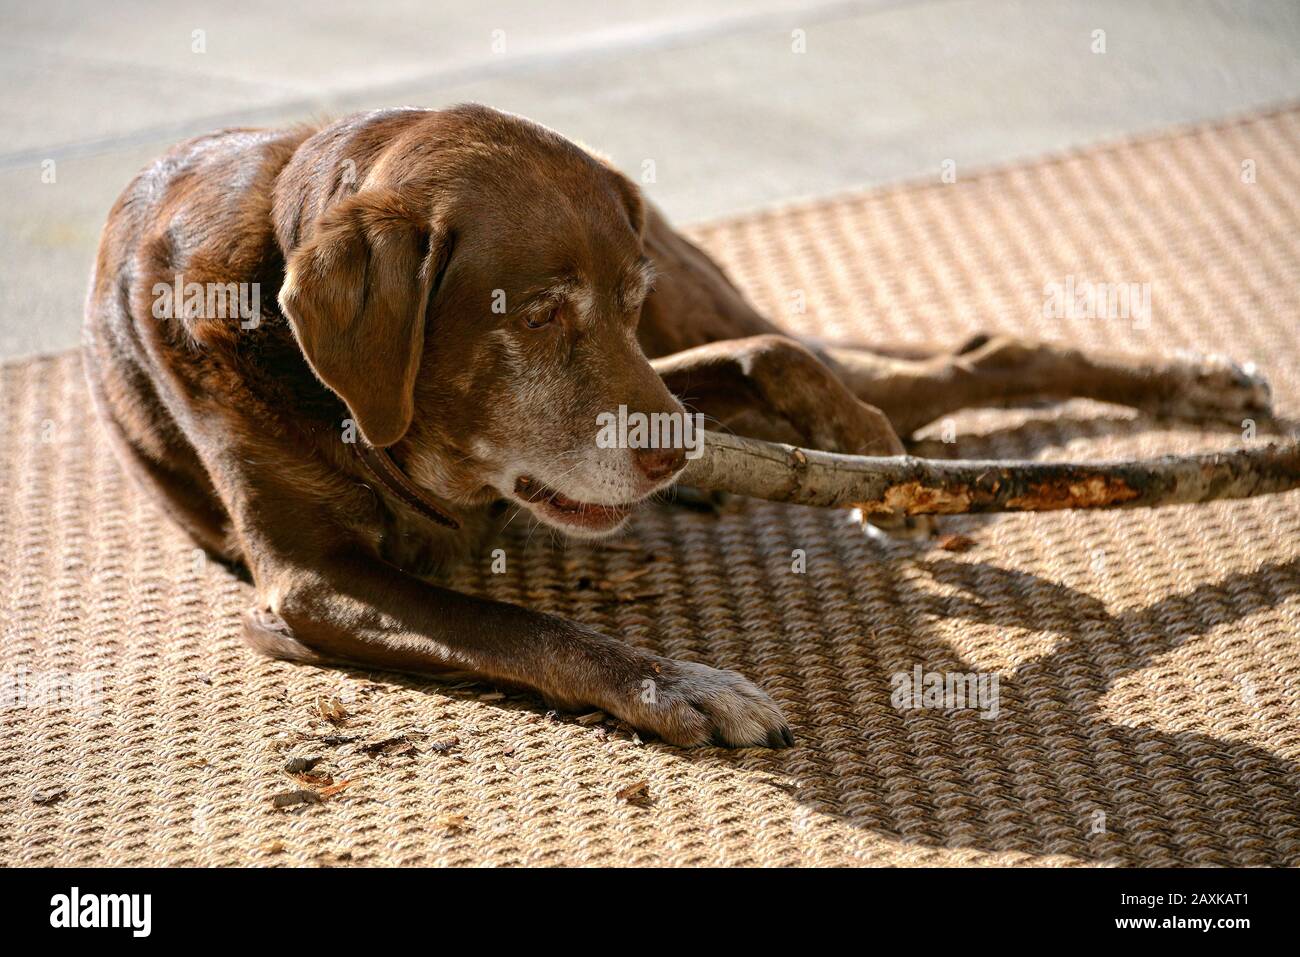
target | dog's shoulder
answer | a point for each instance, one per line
(182, 298)
(198, 217)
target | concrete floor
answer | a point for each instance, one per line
(709, 90)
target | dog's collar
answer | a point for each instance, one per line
(381, 467)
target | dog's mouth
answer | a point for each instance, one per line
(558, 508)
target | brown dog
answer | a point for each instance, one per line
(461, 294)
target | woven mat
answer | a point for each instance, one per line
(1148, 662)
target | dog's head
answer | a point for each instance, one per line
(469, 283)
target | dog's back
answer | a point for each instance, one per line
(198, 215)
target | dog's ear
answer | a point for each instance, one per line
(632, 199)
(357, 293)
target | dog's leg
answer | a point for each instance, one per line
(1002, 369)
(781, 390)
(695, 303)
(368, 614)
(323, 598)
(772, 387)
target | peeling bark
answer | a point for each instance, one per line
(904, 484)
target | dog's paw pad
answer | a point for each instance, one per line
(690, 704)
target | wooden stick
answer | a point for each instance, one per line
(914, 486)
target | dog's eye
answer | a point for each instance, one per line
(539, 319)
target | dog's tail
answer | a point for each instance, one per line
(906, 485)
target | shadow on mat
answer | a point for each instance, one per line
(1167, 797)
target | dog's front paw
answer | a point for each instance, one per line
(689, 704)
(1213, 387)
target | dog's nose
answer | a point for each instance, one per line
(658, 464)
